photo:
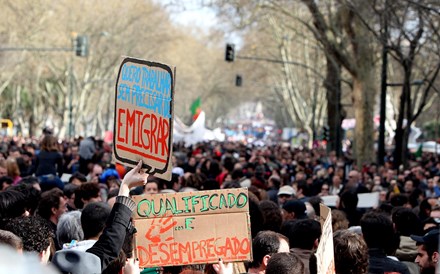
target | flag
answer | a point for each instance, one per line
(195, 108)
(419, 151)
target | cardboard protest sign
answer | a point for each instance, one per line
(325, 257)
(144, 116)
(192, 227)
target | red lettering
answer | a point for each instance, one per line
(145, 145)
(143, 256)
(163, 250)
(120, 113)
(164, 129)
(210, 247)
(185, 250)
(130, 124)
(153, 261)
(153, 127)
(173, 251)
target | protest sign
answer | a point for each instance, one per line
(325, 258)
(144, 116)
(192, 227)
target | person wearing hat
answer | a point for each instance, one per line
(427, 251)
(285, 193)
(294, 210)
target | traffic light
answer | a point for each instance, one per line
(230, 53)
(238, 80)
(325, 133)
(81, 46)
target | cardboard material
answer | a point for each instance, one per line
(144, 116)
(324, 254)
(192, 227)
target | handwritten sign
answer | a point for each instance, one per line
(144, 116)
(192, 227)
(325, 257)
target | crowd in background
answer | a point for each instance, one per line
(58, 195)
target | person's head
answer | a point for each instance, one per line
(96, 173)
(69, 193)
(272, 215)
(294, 209)
(12, 167)
(339, 220)
(69, 228)
(5, 182)
(3, 170)
(351, 253)
(31, 193)
(336, 180)
(87, 193)
(377, 230)
(93, 219)
(264, 245)
(49, 143)
(353, 178)
(274, 181)
(77, 179)
(285, 193)
(286, 263)
(10, 239)
(151, 187)
(427, 251)
(52, 205)
(35, 233)
(305, 234)
(406, 222)
(348, 200)
(12, 204)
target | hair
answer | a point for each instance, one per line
(12, 168)
(49, 199)
(49, 143)
(85, 191)
(93, 219)
(377, 230)
(32, 195)
(349, 200)
(69, 190)
(79, 176)
(275, 181)
(286, 263)
(69, 228)
(351, 253)
(304, 233)
(265, 243)
(113, 193)
(12, 204)
(5, 180)
(10, 239)
(272, 215)
(33, 231)
(406, 222)
(399, 200)
(339, 220)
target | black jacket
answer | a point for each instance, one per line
(379, 263)
(110, 242)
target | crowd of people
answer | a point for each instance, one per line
(68, 204)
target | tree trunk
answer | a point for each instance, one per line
(402, 132)
(332, 84)
(363, 93)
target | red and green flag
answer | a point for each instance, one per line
(195, 108)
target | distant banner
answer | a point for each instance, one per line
(192, 227)
(144, 116)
